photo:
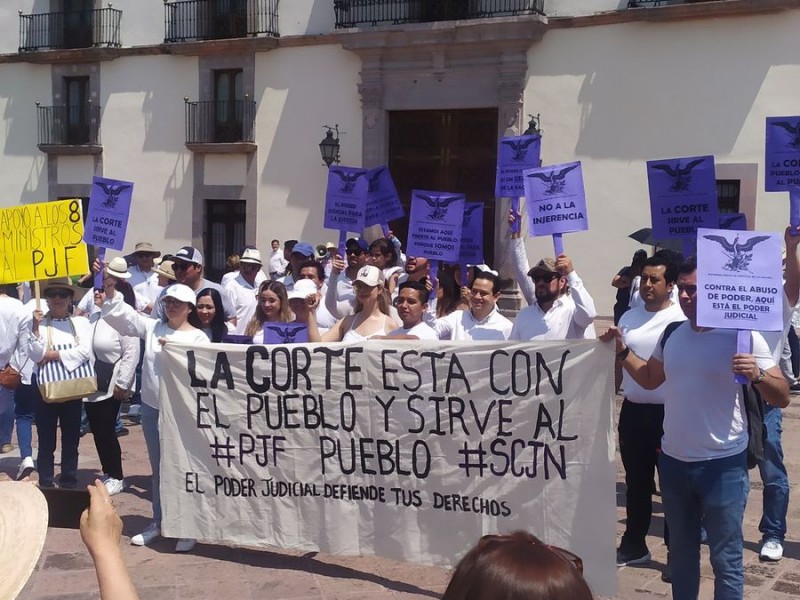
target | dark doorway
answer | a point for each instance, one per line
(224, 234)
(449, 151)
(228, 105)
(78, 29)
(77, 110)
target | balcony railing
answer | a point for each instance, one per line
(193, 20)
(220, 122)
(72, 29)
(69, 125)
(355, 13)
(652, 3)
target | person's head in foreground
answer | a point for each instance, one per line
(517, 566)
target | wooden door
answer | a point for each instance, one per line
(449, 151)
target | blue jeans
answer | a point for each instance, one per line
(24, 402)
(711, 493)
(776, 481)
(6, 415)
(151, 440)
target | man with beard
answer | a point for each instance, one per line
(563, 310)
(340, 296)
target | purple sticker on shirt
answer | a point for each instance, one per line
(782, 157)
(435, 224)
(514, 155)
(382, 200)
(555, 199)
(345, 201)
(472, 235)
(107, 218)
(285, 333)
(683, 196)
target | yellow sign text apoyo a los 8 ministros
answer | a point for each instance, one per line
(40, 241)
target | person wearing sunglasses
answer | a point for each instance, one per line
(517, 566)
(180, 323)
(73, 335)
(563, 310)
(340, 296)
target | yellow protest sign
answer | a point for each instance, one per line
(40, 241)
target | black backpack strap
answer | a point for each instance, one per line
(668, 331)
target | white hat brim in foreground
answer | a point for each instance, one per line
(23, 528)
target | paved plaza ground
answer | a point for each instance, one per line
(65, 570)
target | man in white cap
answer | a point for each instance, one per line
(243, 287)
(187, 264)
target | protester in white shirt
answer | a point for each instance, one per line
(340, 296)
(482, 321)
(563, 308)
(143, 279)
(277, 263)
(412, 305)
(242, 288)
(11, 317)
(313, 271)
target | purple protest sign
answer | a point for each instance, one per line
(285, 333)
(515, 155)
(782, 159)
(739, 280)
(733, 221)
(683, 196)
(382, 200)
(107, 217)
(434, 229)
(555, 199)
(472, 235)
(345, 201)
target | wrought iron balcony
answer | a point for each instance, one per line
(356, 13)
(69, 125)
(220, 122)
(194, 20)
(71, 29)
(652, 3)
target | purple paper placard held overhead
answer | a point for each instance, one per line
(472, 235)
(782, 158)
(285, 333)
(515, 155)
(345, 200)
(683, 196)
(383, 202)
(434, 229)
(107, 217)
(739, 279)
(555, 199)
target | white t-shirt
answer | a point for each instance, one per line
(11, 316)
(422, 330)
(703, 413)
(641, 330)
(244, 300)
(775, 339)
(461, 325)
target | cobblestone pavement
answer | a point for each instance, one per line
(65, 570)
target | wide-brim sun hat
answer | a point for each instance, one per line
(57, 283)
(165, 268)
(23, 528)
(118, 268)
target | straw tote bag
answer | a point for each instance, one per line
(56, 384)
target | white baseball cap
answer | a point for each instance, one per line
(302, 288)
(181, 292)
(370, 275)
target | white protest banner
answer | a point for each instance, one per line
(739, 280)
(405, 450)
(43, 240)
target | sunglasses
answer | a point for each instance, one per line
(181, 266)
(356, 251)
(168, 301)
(57, 294)
(248, 267)
(573, 559)
(547, 278)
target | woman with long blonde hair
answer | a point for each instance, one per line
(371, 317)
(272, 306)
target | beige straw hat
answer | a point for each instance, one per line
(23, 527)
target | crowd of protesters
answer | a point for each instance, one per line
(682, 415)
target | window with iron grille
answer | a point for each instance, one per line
(225, 227)
(76, 94)
(228, 105)
(728, 195)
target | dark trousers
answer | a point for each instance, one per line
(102, 417)
(640, 432)
(48, 419)
(794, 345)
